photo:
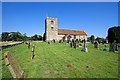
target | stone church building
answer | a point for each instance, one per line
(54, 33)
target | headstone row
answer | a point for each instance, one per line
(75, 44)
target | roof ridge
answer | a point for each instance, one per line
(70, 29)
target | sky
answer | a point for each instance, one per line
(95, 18)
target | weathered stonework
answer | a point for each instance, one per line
(53, 33)
(51, 28)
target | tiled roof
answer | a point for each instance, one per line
(72, 32)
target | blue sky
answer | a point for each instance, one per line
(29, 17)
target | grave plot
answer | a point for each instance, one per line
(60, 61)
(13, 65)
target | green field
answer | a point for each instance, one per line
(58, 60)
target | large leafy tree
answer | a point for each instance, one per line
(5, 36)
(36, 37)
(100, 40)
(114, 34)
(25, 38)
(16, 36)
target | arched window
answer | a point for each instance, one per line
(52, 22)
(52, 28)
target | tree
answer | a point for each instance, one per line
(88, 39)
(44, 36)
(39, 37)
(100, 40)
(25, 38)
(36, 37)
(92, 38)
(15, 36)
(114, 34)
(5, 36)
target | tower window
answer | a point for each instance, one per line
(52, 22)
(52, 28)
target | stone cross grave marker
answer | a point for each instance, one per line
(13, 65)
(85, 49)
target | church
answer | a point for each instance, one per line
(52, 32)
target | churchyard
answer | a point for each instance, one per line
(58, 60)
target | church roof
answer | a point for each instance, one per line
(71, 32)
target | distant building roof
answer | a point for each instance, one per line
(72, 32)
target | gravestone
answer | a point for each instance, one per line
(75, 45)
(71, 44)
(79, 45)
(112, 46)
(116, 48)
(60, 41)
(85, 49)
(105, 48)
(33, 51)
(54, 40)
(48, 42)
(13, 65)
(29, 44)
(96, 45)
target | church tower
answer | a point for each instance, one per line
(51, 28)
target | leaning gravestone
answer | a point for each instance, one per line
(13, 65)
(85, 49)
(96, 45)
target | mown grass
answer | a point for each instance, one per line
(58, 60)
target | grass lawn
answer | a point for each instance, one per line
(58, 60)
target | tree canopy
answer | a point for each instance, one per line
(17, 36)
(99, 39)
(114, 34)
